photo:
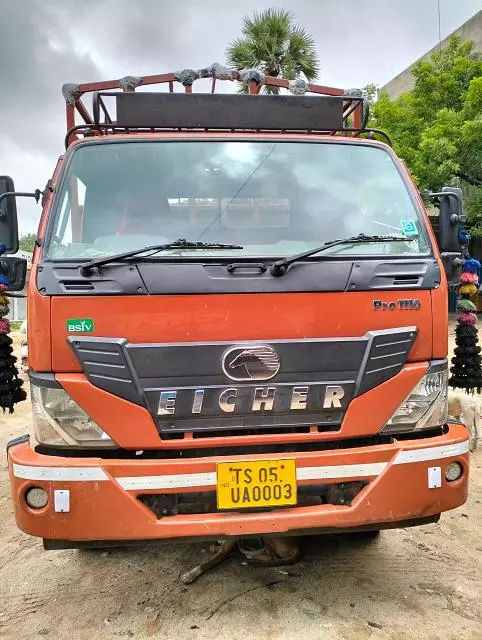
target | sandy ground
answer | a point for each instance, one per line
(412, 583)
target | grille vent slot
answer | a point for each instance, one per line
(105, 364)
(77, 285)
(387, 354)
(407, 280)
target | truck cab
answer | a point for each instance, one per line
(237, 325)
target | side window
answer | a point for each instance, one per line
(70, 221)
(63, 230)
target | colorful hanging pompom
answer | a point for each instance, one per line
(466, 369)
(466, 305)
(469, 278)
(464, 237)
(466, 318)
(471, 265)
(3, 300)
(467, 289)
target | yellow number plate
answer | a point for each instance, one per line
(260, 483)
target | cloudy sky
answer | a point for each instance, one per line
(45, 43)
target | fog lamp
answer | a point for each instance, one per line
(453, 471)
(36, 497)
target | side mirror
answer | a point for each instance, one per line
(451, 215)
(15, 270)
(450, 218)
(8, 212)
(8, 215)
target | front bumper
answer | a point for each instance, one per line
(103, 504)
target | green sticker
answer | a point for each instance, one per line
(80, 325)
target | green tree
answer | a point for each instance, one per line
(370, 92)
(27, 242)
(437, 127)
(273, 43)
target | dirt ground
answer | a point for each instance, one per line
(411, 583)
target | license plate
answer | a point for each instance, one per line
(260, 483)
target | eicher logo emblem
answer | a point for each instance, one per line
(251, 363)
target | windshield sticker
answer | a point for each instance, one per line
(409, 228)
(80, 325)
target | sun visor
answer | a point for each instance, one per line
(226, 111)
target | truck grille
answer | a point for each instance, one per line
(171, 504)
(248, 432)
(244, 388)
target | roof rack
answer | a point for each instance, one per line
(335, 111)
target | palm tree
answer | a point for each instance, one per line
(273, 43)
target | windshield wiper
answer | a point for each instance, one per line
(86, 268)
(280, 267)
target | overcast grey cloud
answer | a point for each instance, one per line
(45, 43)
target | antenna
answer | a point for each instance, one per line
(439, 29)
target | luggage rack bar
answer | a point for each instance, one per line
(327, 110)
(93, 130)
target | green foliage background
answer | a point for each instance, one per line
(272, 42)
(437, 127)
(27, 242)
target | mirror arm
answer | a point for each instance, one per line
(12, 194)
(447, 194)
(452, 260)
(457, 260)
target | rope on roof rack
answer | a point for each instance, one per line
(251, 75)
(354, 93)
(186, 77)
(130, 83)
(217, 71)
(71, 93)
(298, 86)
(359, 93)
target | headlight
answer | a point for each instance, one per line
(427, 405)
(60, 422)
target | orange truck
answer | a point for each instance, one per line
(237, 321)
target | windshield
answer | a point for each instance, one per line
(273, 198)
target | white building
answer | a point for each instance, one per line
(470, 30)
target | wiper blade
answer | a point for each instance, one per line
(96, 263)
(280, 267)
